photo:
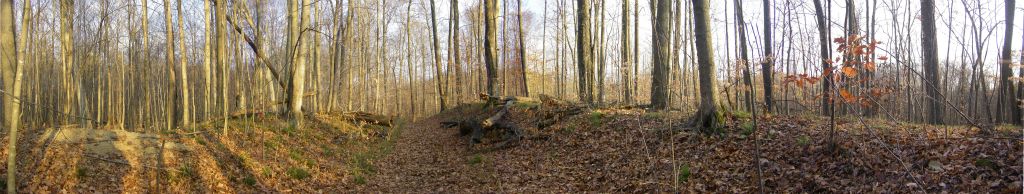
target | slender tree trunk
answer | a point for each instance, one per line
(769, 57)
(298, 82)
(627, 94)
(437, 57)
(522, 48)
(1005, 102)
(222, 59)
(826, 64)
(456, 49)
(708, 116)
(207, 79)
(662, 55)
(12, 63)
(931, 61)
(744, 56)
(185, 97)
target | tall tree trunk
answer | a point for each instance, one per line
(769, 57)
(490, 52)
(1006, 99)
(522, 48)
(826, 65)
(744, 56)
(437, 57)
(585, 52)
(456, 50)
(12, 81)
(67, 13)
(298, 82)
(931, 61)
(708, 116)
(627, 94)
(185, 98)
(662, 55)
(222, 59)
(207, 79)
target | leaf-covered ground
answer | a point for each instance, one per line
(637, 152)
(603, 150)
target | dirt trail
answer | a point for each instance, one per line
(428, 158)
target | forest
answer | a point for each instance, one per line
(512, 96)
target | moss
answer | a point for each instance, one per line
(476, 159)
(359, 179)
(747, 128)
(249, 181)
(297, 173)
(739, 114)
(596, 118)
(683, 172)
(803, 140)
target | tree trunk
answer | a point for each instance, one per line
(769, 57)
(1005, 102)
(185, 98)
(744, 56)
(662, 55)
(490, 52)
(522, 48)
(298, 82)
(222, 59)
(585, 53)
(708, 116)
(931, 61)
(207, 79)
(826, 64)
(627, 94)
(456, 50)
(12, 82)
(437, 57)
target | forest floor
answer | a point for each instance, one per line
(600, 150)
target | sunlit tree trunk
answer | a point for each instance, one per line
(207, 79)
(297, 85)
(708, 116)
(12, 63)
(222, 58)
(490, 54)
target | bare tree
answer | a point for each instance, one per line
(1005, 102)
(490, 54)
(627, 95)
(437, 57)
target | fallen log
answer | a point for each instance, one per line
(368, 118)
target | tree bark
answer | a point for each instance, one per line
(744, 56)
(12, 82)
(585, 53)
(1004, 105)
(931, 61)
(769, 57)
(627, 94)
(437, 57)
(826, 62)
(490, 54)
(222, 59)
(522, 48)
(708, 116)
(298, 81)
(662, 55)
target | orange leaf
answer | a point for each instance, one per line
(850, 71)
(883, 58)
(846, 95)
(870, 66)
(839, 40)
